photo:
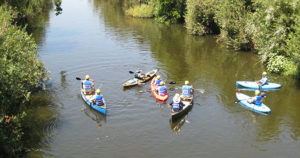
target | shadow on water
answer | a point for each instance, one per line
(177, 124)
(40, 122)
(99, 118)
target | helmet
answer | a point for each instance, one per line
(98, 91)
(158, 77)
(186, 82)
(264, 73)
(139, 70)
(162, 83)
(87, 77)
(257, 92)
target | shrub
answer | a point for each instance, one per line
(141, 11)
(20, 74)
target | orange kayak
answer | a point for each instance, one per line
(154, 92)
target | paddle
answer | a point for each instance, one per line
(131, 72)
(77, 78)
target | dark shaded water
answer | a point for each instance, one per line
(94, 37)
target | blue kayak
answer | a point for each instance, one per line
(243, 100)
(88, 98)
(254, 85)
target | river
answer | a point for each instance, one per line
(95, 37)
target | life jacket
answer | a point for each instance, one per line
(264, 80)
(176, 104)
(157, 82)
(162, 91)
(87, 85)
(99, 100)
(258, 100)
(136, 75)
(186, 91)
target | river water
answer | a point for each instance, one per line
(95, 37)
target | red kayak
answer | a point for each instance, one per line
(154, 92)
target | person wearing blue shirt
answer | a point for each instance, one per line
(98, 98)
(176, 103)
(187, 90)
(157, 81)
(256, 99)
(263, 80)
(162, 90)
(87, 85)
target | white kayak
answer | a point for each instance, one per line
(254, 85)
(243, 100)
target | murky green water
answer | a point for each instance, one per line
(94, 37)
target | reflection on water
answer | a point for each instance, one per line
(177, 124)
(94, 115)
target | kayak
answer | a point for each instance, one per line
(154, 92)
(242, 99)
(88, 100)
(187, 105)
(135, 81)
(254, 85)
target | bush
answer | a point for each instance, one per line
(200, 17)
(169, 11)
(20, 74)
(141, 11)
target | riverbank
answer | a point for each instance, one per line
(269, 28)
(21, 74)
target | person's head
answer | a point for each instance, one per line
(138, 70)
(98, 91)
(162, 83)
(176, 97)
(87, 77)
(264, 73)
(257, 92)
(186, 82)
(158, 77)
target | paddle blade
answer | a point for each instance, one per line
(131, 72)
(172, 82)
(77, 78)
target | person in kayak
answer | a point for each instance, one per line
(98, 98)
(256, 99)
(263, 80)
(87, 85)
(157, 81)
(138, 74)
(187, 90)
(176, 103)
(162, 90)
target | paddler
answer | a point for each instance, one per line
(87, 85)
(157, 81)
(187, 90)
(176, 103)
(162, 90)
(98, 98)
(138, 74)
(264, 79)
(256, 99)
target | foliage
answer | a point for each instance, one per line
(20, 74)
(200, 17)
(169, 11)
(142, 11)
(268, 27)
(27, 10)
